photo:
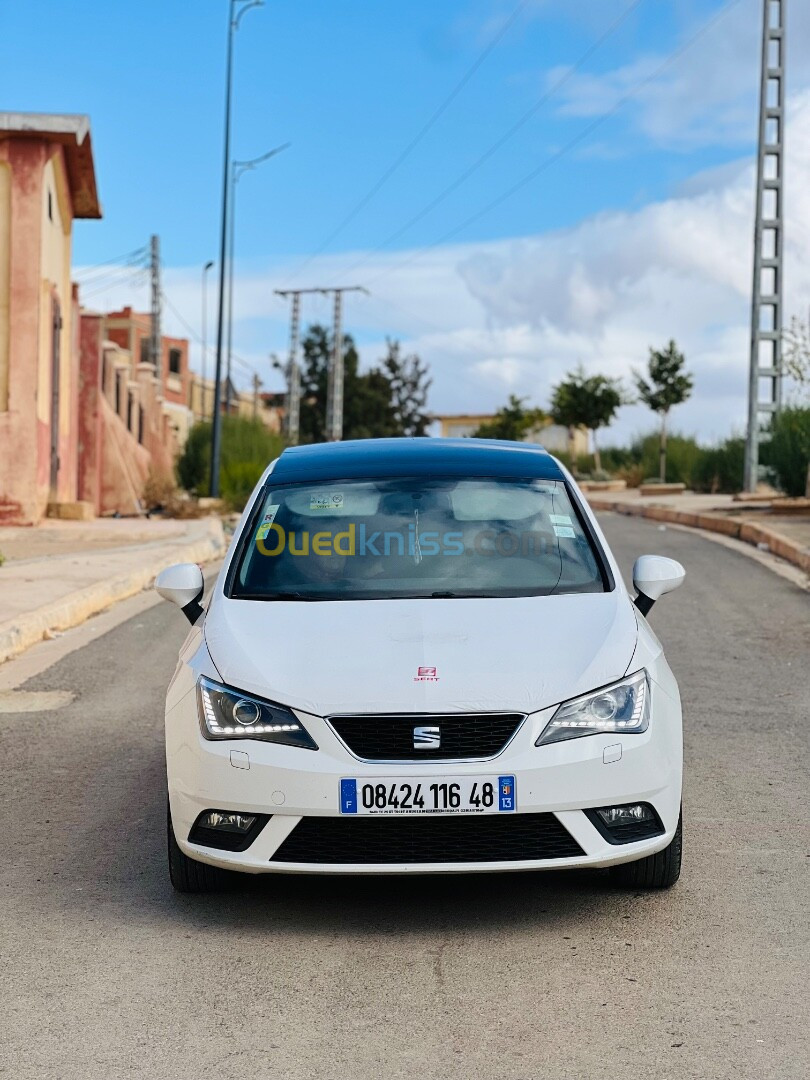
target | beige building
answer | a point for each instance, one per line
(554, 437)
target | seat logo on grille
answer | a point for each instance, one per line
(427, 738)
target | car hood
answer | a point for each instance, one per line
(519, 654)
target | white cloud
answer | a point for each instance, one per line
(707, 96)
(513, 316)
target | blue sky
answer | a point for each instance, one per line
(349, 84)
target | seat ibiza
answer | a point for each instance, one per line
(419, 656)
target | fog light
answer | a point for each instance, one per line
(224, 822)
(227, 829)
(626, 815)
(626, 824)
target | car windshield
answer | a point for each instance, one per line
(424, 537)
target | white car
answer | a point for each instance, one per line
(419, 656)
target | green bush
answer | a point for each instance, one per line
(247, 449)
(788, 449)
(720, 468)
(683, 454)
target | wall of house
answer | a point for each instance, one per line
(23, 437)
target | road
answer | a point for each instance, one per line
(106, 973)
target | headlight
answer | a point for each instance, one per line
(227, 714)
(623, 708)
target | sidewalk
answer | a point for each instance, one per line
(59, 573)
(757, 523)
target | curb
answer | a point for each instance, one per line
(78, 606)
(738, 530)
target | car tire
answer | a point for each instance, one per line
(187, 875)
(659, 871)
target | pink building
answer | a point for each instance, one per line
(47, 179)
(84, 416)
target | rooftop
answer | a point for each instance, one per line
(408, 457)
(73, 133)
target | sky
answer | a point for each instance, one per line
(520, 186)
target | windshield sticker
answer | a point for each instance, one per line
(326, 502)
(559, 519)
(267, 521)
(564, 531)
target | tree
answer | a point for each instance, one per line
(668, 385)
(589, 401)
(248, 447)
(385, 401)
(409, 382)
(514, 421)
(797, 352)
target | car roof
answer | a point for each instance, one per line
(378, 458)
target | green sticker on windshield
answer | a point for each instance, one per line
(564, 531)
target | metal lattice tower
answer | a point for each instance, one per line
(292, 413)
(765, 373)
(334, 387)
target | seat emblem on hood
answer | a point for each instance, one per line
(426, 674)
(427, 738)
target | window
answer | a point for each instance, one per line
(146, 356)
(175, 360)
(50, 205)
(416, 537)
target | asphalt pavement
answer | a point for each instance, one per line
(106, 973)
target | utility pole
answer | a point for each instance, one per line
(334, 386)
(154, 334)
(235, 13)
(257, 383)
(237, 169)
(292, 411)
(765, 366)
(205, 269)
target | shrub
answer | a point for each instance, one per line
(159, 490)
(247, 449)
(788, 449)
(683, 454)
(719, 469)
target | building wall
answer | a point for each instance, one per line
(36, 219)
(22, 436)
(5, 290)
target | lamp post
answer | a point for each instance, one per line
(238, 168)
(205, 269)
(236, 9)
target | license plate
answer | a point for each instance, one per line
(453, 795)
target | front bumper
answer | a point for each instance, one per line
(289, 783)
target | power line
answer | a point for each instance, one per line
(503, 139)
(128, 259)
(414, 142)
(131, 277)
(555, 157)
(195, 336)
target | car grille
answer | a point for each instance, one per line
(427, 839)
(462, 735)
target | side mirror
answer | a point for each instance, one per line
(182, 585)
(653, 575)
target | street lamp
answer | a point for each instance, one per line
(236, 9)
(205, 270)
(238, 168)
